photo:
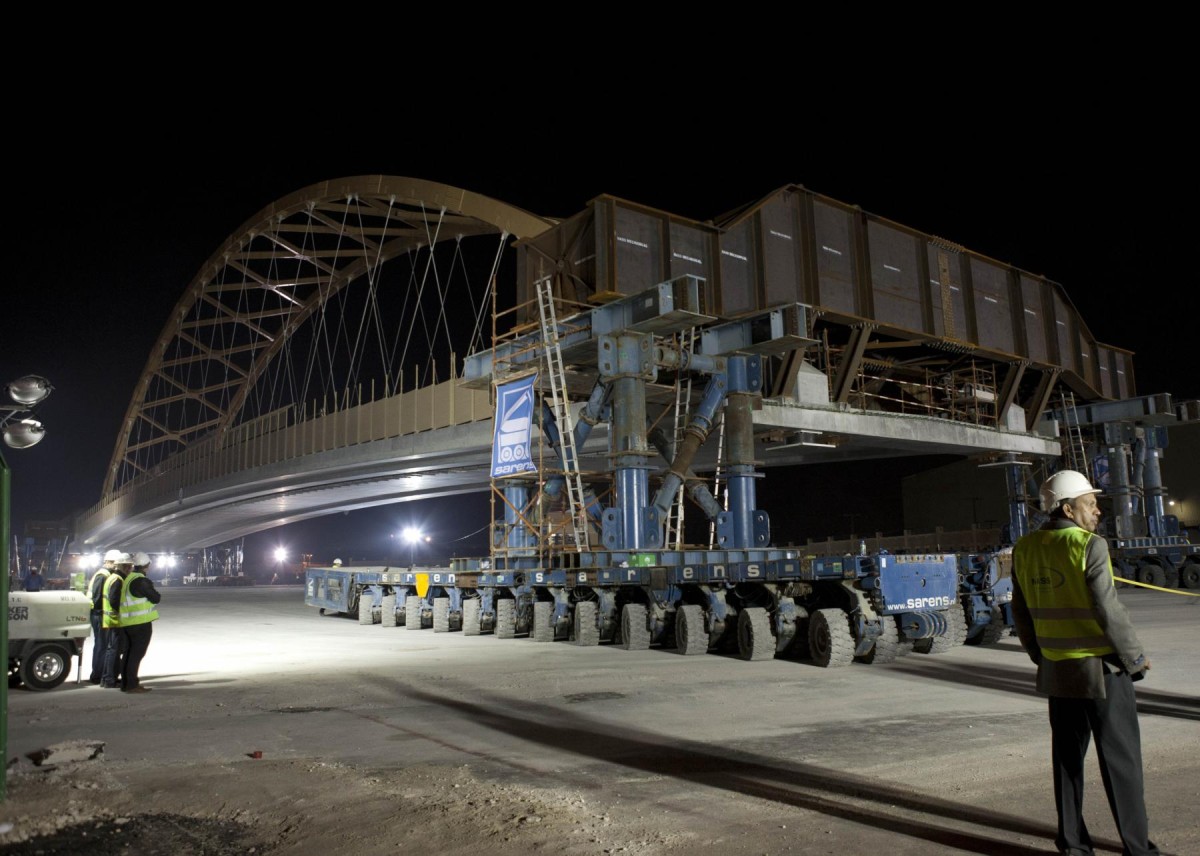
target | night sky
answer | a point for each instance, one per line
(113, 223)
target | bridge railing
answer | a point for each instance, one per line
(289, 433)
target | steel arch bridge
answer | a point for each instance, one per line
(225, 355)
(313, 363)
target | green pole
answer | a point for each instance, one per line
(4, 541)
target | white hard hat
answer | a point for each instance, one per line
(112, 556)
(337, 563)
(1062, 486)
(124, 559)
(140, 560)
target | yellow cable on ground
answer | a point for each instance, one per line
(1156, 588)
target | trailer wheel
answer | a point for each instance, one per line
(635, 635)
(543, 618)
(506, 619)
(830, 639)
(886, 647)
(412, 612)
(1189, 575)
(587, 631)
(956, 634)
(754, 638)
(993, 631)
(1152, 574)
(441, 615)
(690, 636)
(470, 619)
(45, 667)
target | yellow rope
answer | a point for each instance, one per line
(1156, 588)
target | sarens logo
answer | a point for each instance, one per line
(927, 602)
(1047, 578)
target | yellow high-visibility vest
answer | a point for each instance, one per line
(135, 610)
(112, 617)
(1049, 565)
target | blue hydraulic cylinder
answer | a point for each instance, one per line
(630, 460)
(1153, 487)
(1018, 507)
(694, 436)
(743, 526)
(516, 497)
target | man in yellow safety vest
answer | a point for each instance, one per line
(1074, 628)
(114, 642)
(138, 609)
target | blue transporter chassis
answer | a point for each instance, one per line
(757, 603)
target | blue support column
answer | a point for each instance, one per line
(743, 526)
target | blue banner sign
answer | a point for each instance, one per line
(513, 425)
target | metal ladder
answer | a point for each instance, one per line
(683, 412)
(561, 407)
(1074, 450)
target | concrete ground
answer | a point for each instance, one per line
(375, 740)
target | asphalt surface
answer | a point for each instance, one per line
(609, 750)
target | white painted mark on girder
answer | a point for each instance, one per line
(686, 258)
(990, 299)
(831, 250)
(734, 255)
(780, 235)
(623, 240)
(892, 267)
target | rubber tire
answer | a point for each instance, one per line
(829, 638)
(887, 644)
(364, 600)
(506, 619)
(690, 636)
(956, 635)
(387, 611)
(1189, 575)
(993, 632)
(412, 612)
(1152, 574)
(586, 631)
(754, 637)
(45, 667)
(470, 617)
(635, 636)
(441, 615)
(543, 618)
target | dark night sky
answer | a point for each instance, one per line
(113, 221)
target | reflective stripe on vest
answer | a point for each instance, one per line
(135, 610)
(1049, 565)
(112, 618)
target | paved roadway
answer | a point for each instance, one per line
(931, 754)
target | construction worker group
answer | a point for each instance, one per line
(124, 607)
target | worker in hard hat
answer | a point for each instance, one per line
(95, 591)
(115, 643)
(337, 563)
(139, 610)
(1074, 628)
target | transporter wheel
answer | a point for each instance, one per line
(1152, 574)
(543, 617)
(956, 634)
(904, 647)
(754, 637)
(1189, 575)
(635, 635)
(690, 636)
(586, 630)
(441, 615)
(363, 611)
(506, 619)
(470, 617)
(45, 667)
(993, 631)
(830, 639)
(412, 612)
(886, 647)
